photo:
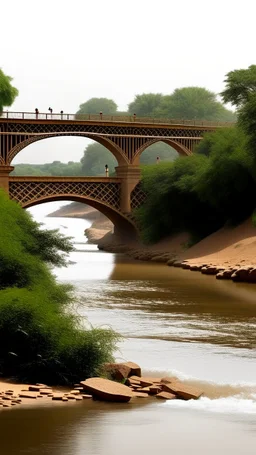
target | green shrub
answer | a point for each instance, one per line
(40, 339)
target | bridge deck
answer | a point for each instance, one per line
(105, 119)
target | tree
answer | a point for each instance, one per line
(97, 105)
(8, 93)
(240, 86)
(145, 105)
(241, 92)
(194, 103)
(96, 156)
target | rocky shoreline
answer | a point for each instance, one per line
(237, 272)
(122, 382)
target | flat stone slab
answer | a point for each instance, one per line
(166, 396)
(107, 390)
(183, 391)
(33, 395)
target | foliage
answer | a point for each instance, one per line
(97, 105)
(241, 91)
(8, 93)
(145, 105)
(96, 156)
(194, 103)
(200, 193)
(240, 85)
(41, 340)
(190, 103)
(56, 168)
(159, 149)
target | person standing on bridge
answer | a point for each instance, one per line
(50, 110)
(36, 112)
(106, 170)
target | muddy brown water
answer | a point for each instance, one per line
(174, 322)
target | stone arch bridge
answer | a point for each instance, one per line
(125, 137)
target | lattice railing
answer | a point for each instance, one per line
(27, 192)
(54, 116)
(137, 197)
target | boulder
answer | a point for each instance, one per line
(195, 267)
(107, 390)
(121, 371)
(252, 276)
(212, 270)
(242, 274)
(182, 391)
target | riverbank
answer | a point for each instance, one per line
(229, 253)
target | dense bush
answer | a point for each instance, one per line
(200, 193)
(40, 339)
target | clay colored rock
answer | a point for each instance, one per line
(107, 390)
(166, 396)
(182, 391)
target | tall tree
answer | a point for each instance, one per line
(194, 103)
(146, 104)
(97, 105)
(240, 86)
(241, 92)
(8, 93)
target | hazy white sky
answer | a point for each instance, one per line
(61, 53)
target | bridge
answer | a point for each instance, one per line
(126, 137)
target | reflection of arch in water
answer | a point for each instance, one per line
(181, 147)
(123, 224)
(106, 142)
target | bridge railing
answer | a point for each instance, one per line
(107, 118)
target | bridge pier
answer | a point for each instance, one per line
(4, 177)
(130, 176)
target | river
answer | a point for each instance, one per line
(174, 322)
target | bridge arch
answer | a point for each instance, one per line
(123, 225)
(178, 146)
(110, 145)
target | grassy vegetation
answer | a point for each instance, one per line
(200, 193)
(40, 339)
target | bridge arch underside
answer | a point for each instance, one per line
(122, 224)
(183, 146)
(106, 142)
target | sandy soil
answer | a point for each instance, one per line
(229, 247)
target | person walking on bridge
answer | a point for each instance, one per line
(106, 170)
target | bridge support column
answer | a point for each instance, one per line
(130, 176)
(4, 177)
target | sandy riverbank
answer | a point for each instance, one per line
(229, 251)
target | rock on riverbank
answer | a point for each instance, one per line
(133, 385)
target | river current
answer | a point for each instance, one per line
(173, 322)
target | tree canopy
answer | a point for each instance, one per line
(97, 105)
(191, 103)
(146, 104)
(194, 103)
(8, 93)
